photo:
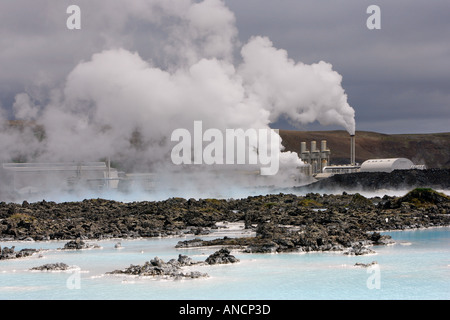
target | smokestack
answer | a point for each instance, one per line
(352, 149)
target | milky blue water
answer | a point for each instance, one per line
(416, 267)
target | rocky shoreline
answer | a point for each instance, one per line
(283, 222)
(438, 179)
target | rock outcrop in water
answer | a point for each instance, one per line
(11, 253)
(59, 266)
(159, 268)
(366, 265)
(173, 269)
(223, 256)
(79, 244)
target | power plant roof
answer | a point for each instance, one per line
(23, 167)
(386, 165)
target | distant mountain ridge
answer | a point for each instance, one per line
(432, 149)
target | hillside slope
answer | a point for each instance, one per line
(432, 150)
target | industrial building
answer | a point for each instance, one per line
(388, 165)
(315, 159)
(25, 179)
(318, 162)
(35, 178)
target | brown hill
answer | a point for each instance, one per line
(432, 149)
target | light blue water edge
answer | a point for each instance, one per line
(417, 266)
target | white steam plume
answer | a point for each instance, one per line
(121, 106)
(304, 93)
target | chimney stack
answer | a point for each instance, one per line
(352, 149)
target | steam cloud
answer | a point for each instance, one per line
(125, 107)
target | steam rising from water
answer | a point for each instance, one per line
(121, 105)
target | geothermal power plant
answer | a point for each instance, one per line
(25, 179)
(318, 161)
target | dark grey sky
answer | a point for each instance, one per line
(397, 79)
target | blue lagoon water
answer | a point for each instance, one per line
(416, 267)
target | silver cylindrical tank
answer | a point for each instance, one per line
(303, 147)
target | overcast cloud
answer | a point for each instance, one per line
(397, 79)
